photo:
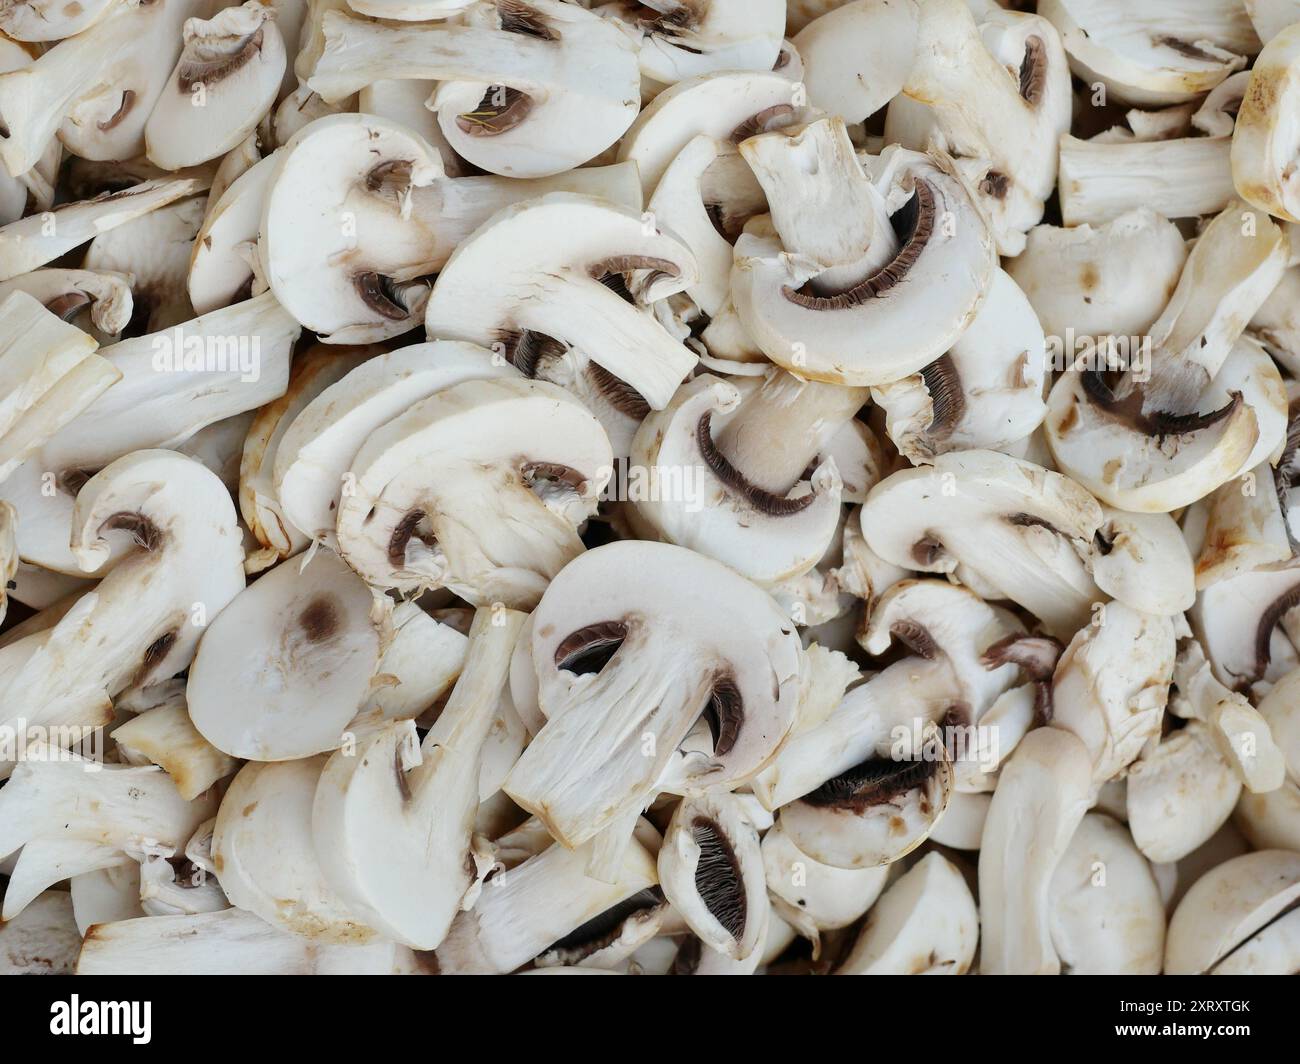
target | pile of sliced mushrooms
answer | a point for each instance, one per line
(663, 487)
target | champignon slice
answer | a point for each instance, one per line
(681, 39)
(857, 56)
(104, 296)
(825, 897)
(219, 266)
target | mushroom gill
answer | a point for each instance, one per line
(763, 501)
(717, 876)
(213, 60)
(872, 782)
(590, 648)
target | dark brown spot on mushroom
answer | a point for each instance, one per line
(519, 18)
(403, 784)
(873, 782)
(717, 876)
(617, 392)
(501, 110)
(379, 294)
(995, 185)
(590, 648)
(145, 533)
(688, 956)
(220, 63)
(1098, 387)
(614, 272)
(532, 472)
(123, 109)
(927, 550)
(763, 501)
(319, 619)
(393, 177)
(1032, 521)
(1185, 48)
(154, 654)
(1036, 654)
(1033, 71)
(724, 714)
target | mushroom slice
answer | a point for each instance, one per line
(722, 106)
(857, 56)
(425, 656)
(104, 295)
(1023, 529)
(1237, 622)
(601, 636)
(49, 373)
(925, 924)
(435, 504)
(262, 851)
(34, 189)
(403, 100)
(1043, 792)
(1107, 916)
(1240, 526)
(549, 903)
(392, 820)
(544, 261)
(33, 241)
(1142, 560)
(699, 499)
(47, 20)
(1158, 462)
(1264, 143)
(43, 940)
(318, 447)
(166, 736)
(1163, 54)
(526, 89)
(681, 39)
(141, 622)
(1006, 147)
(826, 897)
(287, 665)
(852, 335)
(1229, 905)
(238, 59)
(219, 268)
(229, 942)
(1113, 280)
(985, 393)
(878, 810)
(48, 860)
(313, 372)
(711, 871)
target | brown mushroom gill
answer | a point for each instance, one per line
(154, 653)
(378, 292)
(1033, 71)
(517, 17)
(214, 61)
(1269, 619)
(408, 528)
(600, 931)
(500, 110)
(764, 502)
(1127, 407)
(718, 879)
(1288, 469)
(947, 400)
(914, 225)
(145, 533)
(916, 637)
(537, 474)
(526, 350)
(68, 305)
(760, 122)
(123, 109)
(1184, 48)
(617, 392)
(590, 648)
(873, 782)
(724, 714)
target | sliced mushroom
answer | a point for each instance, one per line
(857, 56)
(220, 266)
(1237, 621)
(681, 39)
(1142, 561)
(1264, 141)
(828, 898)
(102, 295)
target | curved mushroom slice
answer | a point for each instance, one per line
(384, 217)
(723, 106)
(223, 249)
(1113, 280)
(858, 56)
(1107, 917)
(699, 499)
(925, 924)
(288, 663)
(1043, 793)
(545, 261)
(711, 872)
(682, 39)
(43, 941)
(548, 902)
(1264, 142)
(1142, 560)
(166, 736)
(48, 20)
(33, 241)
(526, 89)
(435, 504)
(824, 897)
(853, 335)
(318, 448)
(392, 820)
(262, 851)
(225, 81)
(985, 393)
(141, 622)
(313, 372)
(1227, 906)
(1162, 53)
(1005, 145)
(103, 295)
(1019, 527)
(1237, 622)
(404, 101)
(602, 634)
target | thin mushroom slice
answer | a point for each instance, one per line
(434, 505)
(48, 20)
(223, 84)
(285, 667)
(926, 923)
(711, 871)
(392, 821)
(636, 640)
(219, 268)
(1264, 143)
(1244, 526)
(1229, 905)
(525, 89)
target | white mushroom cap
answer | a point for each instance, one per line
(1264, 142)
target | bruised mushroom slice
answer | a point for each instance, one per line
(33, 241)
(1107, 915)
(711, 871)
(549, 903)
(103, 295)
(392, 820)
(1162, 53)
(1089, 283)
(286, 666)
(985, 393)
(313, 372)
(1023, 529)
(225, 81)
(318, 448)
(1226, 907)
(1237, 622)
(1005, 145)
(525, 89)
(544, 262)
(925, 924)
(934, 246)
(262, 851)
(698, 498)
(601, 635)
(857, 56)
